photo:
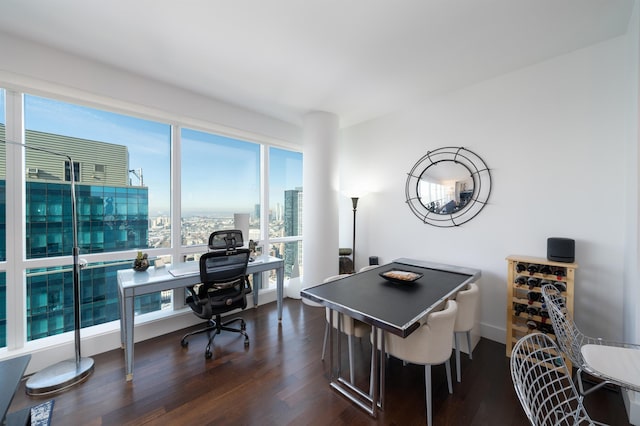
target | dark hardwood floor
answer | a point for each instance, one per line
(280, 380)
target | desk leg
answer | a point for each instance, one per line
(128, 344)
(257, 284)
(280, 290)
(121, 306)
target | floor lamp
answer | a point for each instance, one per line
(354, 201)
(66, 373)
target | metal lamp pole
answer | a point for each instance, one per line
(354, 201)
(66, 373)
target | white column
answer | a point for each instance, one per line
(320, 186)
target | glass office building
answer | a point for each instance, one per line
(109, 218)
(292, 227)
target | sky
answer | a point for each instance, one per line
(218, 173)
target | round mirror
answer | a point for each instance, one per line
(445, 187)
(448, 187)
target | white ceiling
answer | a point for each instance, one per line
(356, 58)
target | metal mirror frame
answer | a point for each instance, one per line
(479, 172)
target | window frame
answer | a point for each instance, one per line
(16, 266)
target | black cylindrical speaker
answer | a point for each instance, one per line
(561, 249)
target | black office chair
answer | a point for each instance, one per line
(224, 287)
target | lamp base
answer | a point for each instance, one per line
(59, 377)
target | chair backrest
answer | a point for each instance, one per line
(226, 240)
(431, 343)
(347, 322)
(543, 383)
(226, 263)
(467, 300)
(570, 338)
(335, 277)
(366, 268)
(217, 267)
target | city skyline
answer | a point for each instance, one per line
(149, 145)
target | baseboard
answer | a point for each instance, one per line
(493, 333)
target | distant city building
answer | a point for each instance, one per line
(292, 227)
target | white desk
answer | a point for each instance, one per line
(618, 365)
(131, 284)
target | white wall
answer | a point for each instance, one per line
(555, 137)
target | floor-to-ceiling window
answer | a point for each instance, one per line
(285, 208)
(220, 186)
(121, 168)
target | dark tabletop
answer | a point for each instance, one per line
(394, 307)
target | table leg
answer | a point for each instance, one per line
(280, 290)
(128, 345)
(331, 375)
(382, 361)
(121, 306)
(366, 401)
(257, 284)
(376, 363)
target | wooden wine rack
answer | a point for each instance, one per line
(517, 294)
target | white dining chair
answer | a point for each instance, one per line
(428, 345)
(467, 300)
(366, 268)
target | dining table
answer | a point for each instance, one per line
(381, 298)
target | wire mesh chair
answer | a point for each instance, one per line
(571, 340)
(543, 383)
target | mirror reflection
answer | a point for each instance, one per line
(445, 187)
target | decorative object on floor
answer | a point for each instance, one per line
(448, 187)
(345, 264)
(141, 263)
(41, 414)
(66, 373)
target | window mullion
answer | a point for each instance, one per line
(15, 214)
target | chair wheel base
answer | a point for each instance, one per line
(208, 355)
(184, 343)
